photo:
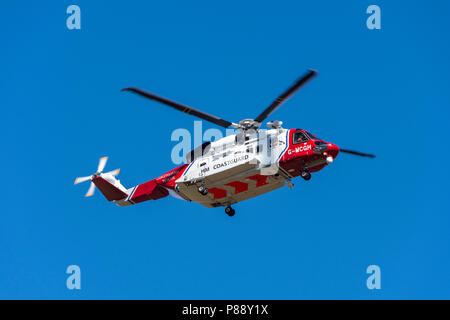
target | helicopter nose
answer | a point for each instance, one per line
(331, 152)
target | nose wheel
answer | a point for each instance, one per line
(229, 211)
(305, 175)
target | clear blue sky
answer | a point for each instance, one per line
(383, 91)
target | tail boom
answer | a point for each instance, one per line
(114, 191)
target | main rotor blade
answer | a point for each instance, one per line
(102, 164)
(286, 95)
(181, 107)
(357, 153)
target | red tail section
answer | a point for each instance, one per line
(151, 190)
(148, 191)
(110, 191)
(154, 189)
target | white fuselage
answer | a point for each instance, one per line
(229, 162)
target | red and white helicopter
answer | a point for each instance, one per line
(237, 167)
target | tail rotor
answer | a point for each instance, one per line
(99, 173)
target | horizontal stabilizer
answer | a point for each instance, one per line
(148, 191)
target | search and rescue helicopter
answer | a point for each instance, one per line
(237, 167)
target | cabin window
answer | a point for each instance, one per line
(226, 154)
(299, 137)
(259, 148)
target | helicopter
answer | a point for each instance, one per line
(240, 166)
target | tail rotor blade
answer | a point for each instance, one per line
(357, 153)
(102, 164)
(82, 179)
(91, 190)
(113, 172)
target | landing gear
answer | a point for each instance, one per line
(203, 190)
(289, 184)
(229, 211)
(305, 175)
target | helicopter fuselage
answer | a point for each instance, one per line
(240, 167)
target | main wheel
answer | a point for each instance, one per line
(306, 175)
(230, 211)
(203, 190)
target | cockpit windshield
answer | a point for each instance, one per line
(299, 136)
(312, 136)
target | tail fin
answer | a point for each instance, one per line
(111, 189)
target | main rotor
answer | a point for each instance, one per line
(246, 125)
(243, 125)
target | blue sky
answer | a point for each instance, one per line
(379, 91)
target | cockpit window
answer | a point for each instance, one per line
(312, 136)
(299, 136)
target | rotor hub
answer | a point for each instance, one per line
(248, 124)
